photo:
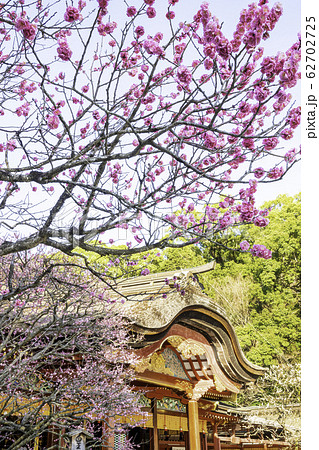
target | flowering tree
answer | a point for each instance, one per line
(64, 353)
(112, 125)
(277, 398)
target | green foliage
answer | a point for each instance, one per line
(261, 297)
(175, 259)
(272, 333)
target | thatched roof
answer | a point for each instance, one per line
(156, 302)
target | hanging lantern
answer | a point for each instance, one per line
(166, 433)
(181, 434)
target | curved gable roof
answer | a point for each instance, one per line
(158, 304)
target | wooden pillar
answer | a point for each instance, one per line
(186, 437)
(155, 430)
(204, 441)
(104, 438)
(36, 443)
(265, 446)
(53, 437)
(217, 445)
(108, 434)
(193, 425)
(62, 443)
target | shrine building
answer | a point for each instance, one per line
(191, 369)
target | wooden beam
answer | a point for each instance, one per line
(200, 362)
(191, 363)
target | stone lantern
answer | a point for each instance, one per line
(78, 439)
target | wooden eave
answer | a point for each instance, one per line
(217, 331)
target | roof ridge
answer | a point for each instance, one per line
(161, 276)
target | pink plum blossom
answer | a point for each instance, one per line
(11, 145)
(294, 117)
(270, 143)
(290, 156)
(184, 75)
(261, 221)
(287, 134)
(64, 51)
(261, 251)
(275, 173)
(23, 110)
(170, 15)
(223, 48)
(21, 23)
(244, 245)
(153, 48)
(251, 39)
(28, 29)
(103, 3)
(106, 28)
(131, 11)
(259, 172)
(261, 93)
(139, 30)
(72, 14)
(151, 12)
(53, 122)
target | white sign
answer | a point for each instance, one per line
(78, 442)
(178, 448)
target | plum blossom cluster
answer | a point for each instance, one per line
(157, 137)
(72, 14)
(184, 76)
(64, 50)
(23, 110)
(254, 24)
(25, 88)
(152, 47)
(213, 38)
(10, 145)
(275, 173)
(257, 250)
(28, 29)
(53, 122)
(58, 351)
(106, 28)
